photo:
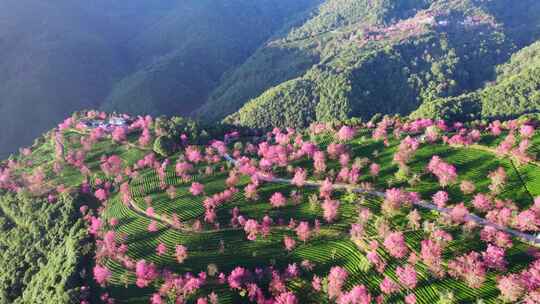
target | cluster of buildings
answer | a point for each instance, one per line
(106, 124)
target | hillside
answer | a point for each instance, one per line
(159, 57)
(514, 92)
(394, 210)
(245, 61)
(183, 56)
(367, 57)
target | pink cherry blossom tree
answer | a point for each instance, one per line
(395, 245)
(470, 268)
(289, 243)
(146, 273)
(388, 286)
(445, 172)
(303, 231)
(407, 276)
(346, 133)
(181, 253)
(440, 199)
(278, 200)
(196, 189)
(336, 280)
(102, 274)
(251, 227)
(358, 295)
(330, 210)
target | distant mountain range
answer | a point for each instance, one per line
(267, 62)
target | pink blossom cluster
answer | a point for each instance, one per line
(446, 173)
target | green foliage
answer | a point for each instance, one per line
(514, 92)
(513, 96)
(289, 104)
(41, 245)
(164, 146)
(462, 108)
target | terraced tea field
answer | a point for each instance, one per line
(220, 249)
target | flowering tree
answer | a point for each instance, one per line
(181, 253)
(395, 245)
(286, 298)
(431, 253)
(196, 188)
(101, 274)
(358, 295)
(346, 133)
(161, 249)
(303, 231)
(193, 154)
(511, 288)
(289, 243)
(482, 202)
(498, 179)
(299, 178)
(388, 286)
(470, 268)
(146, 273)
(445, 172)
(330, 210)
(493, 258)
(467, 187)
(440, 199)
(407, 276)
(119, 134)
(251, 227)
(278, 200)
(336, 280)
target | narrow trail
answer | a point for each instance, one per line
(167, 222)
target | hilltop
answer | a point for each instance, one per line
(140, 209)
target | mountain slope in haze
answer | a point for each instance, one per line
(181, 58)
(160, 57)
(389, 61)
(61, 56)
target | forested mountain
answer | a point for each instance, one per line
(514, 92)
(359, 58)
(139, 56)
(264, 63)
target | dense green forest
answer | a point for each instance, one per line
(44, 247)
(412, 54)
(514, 92)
